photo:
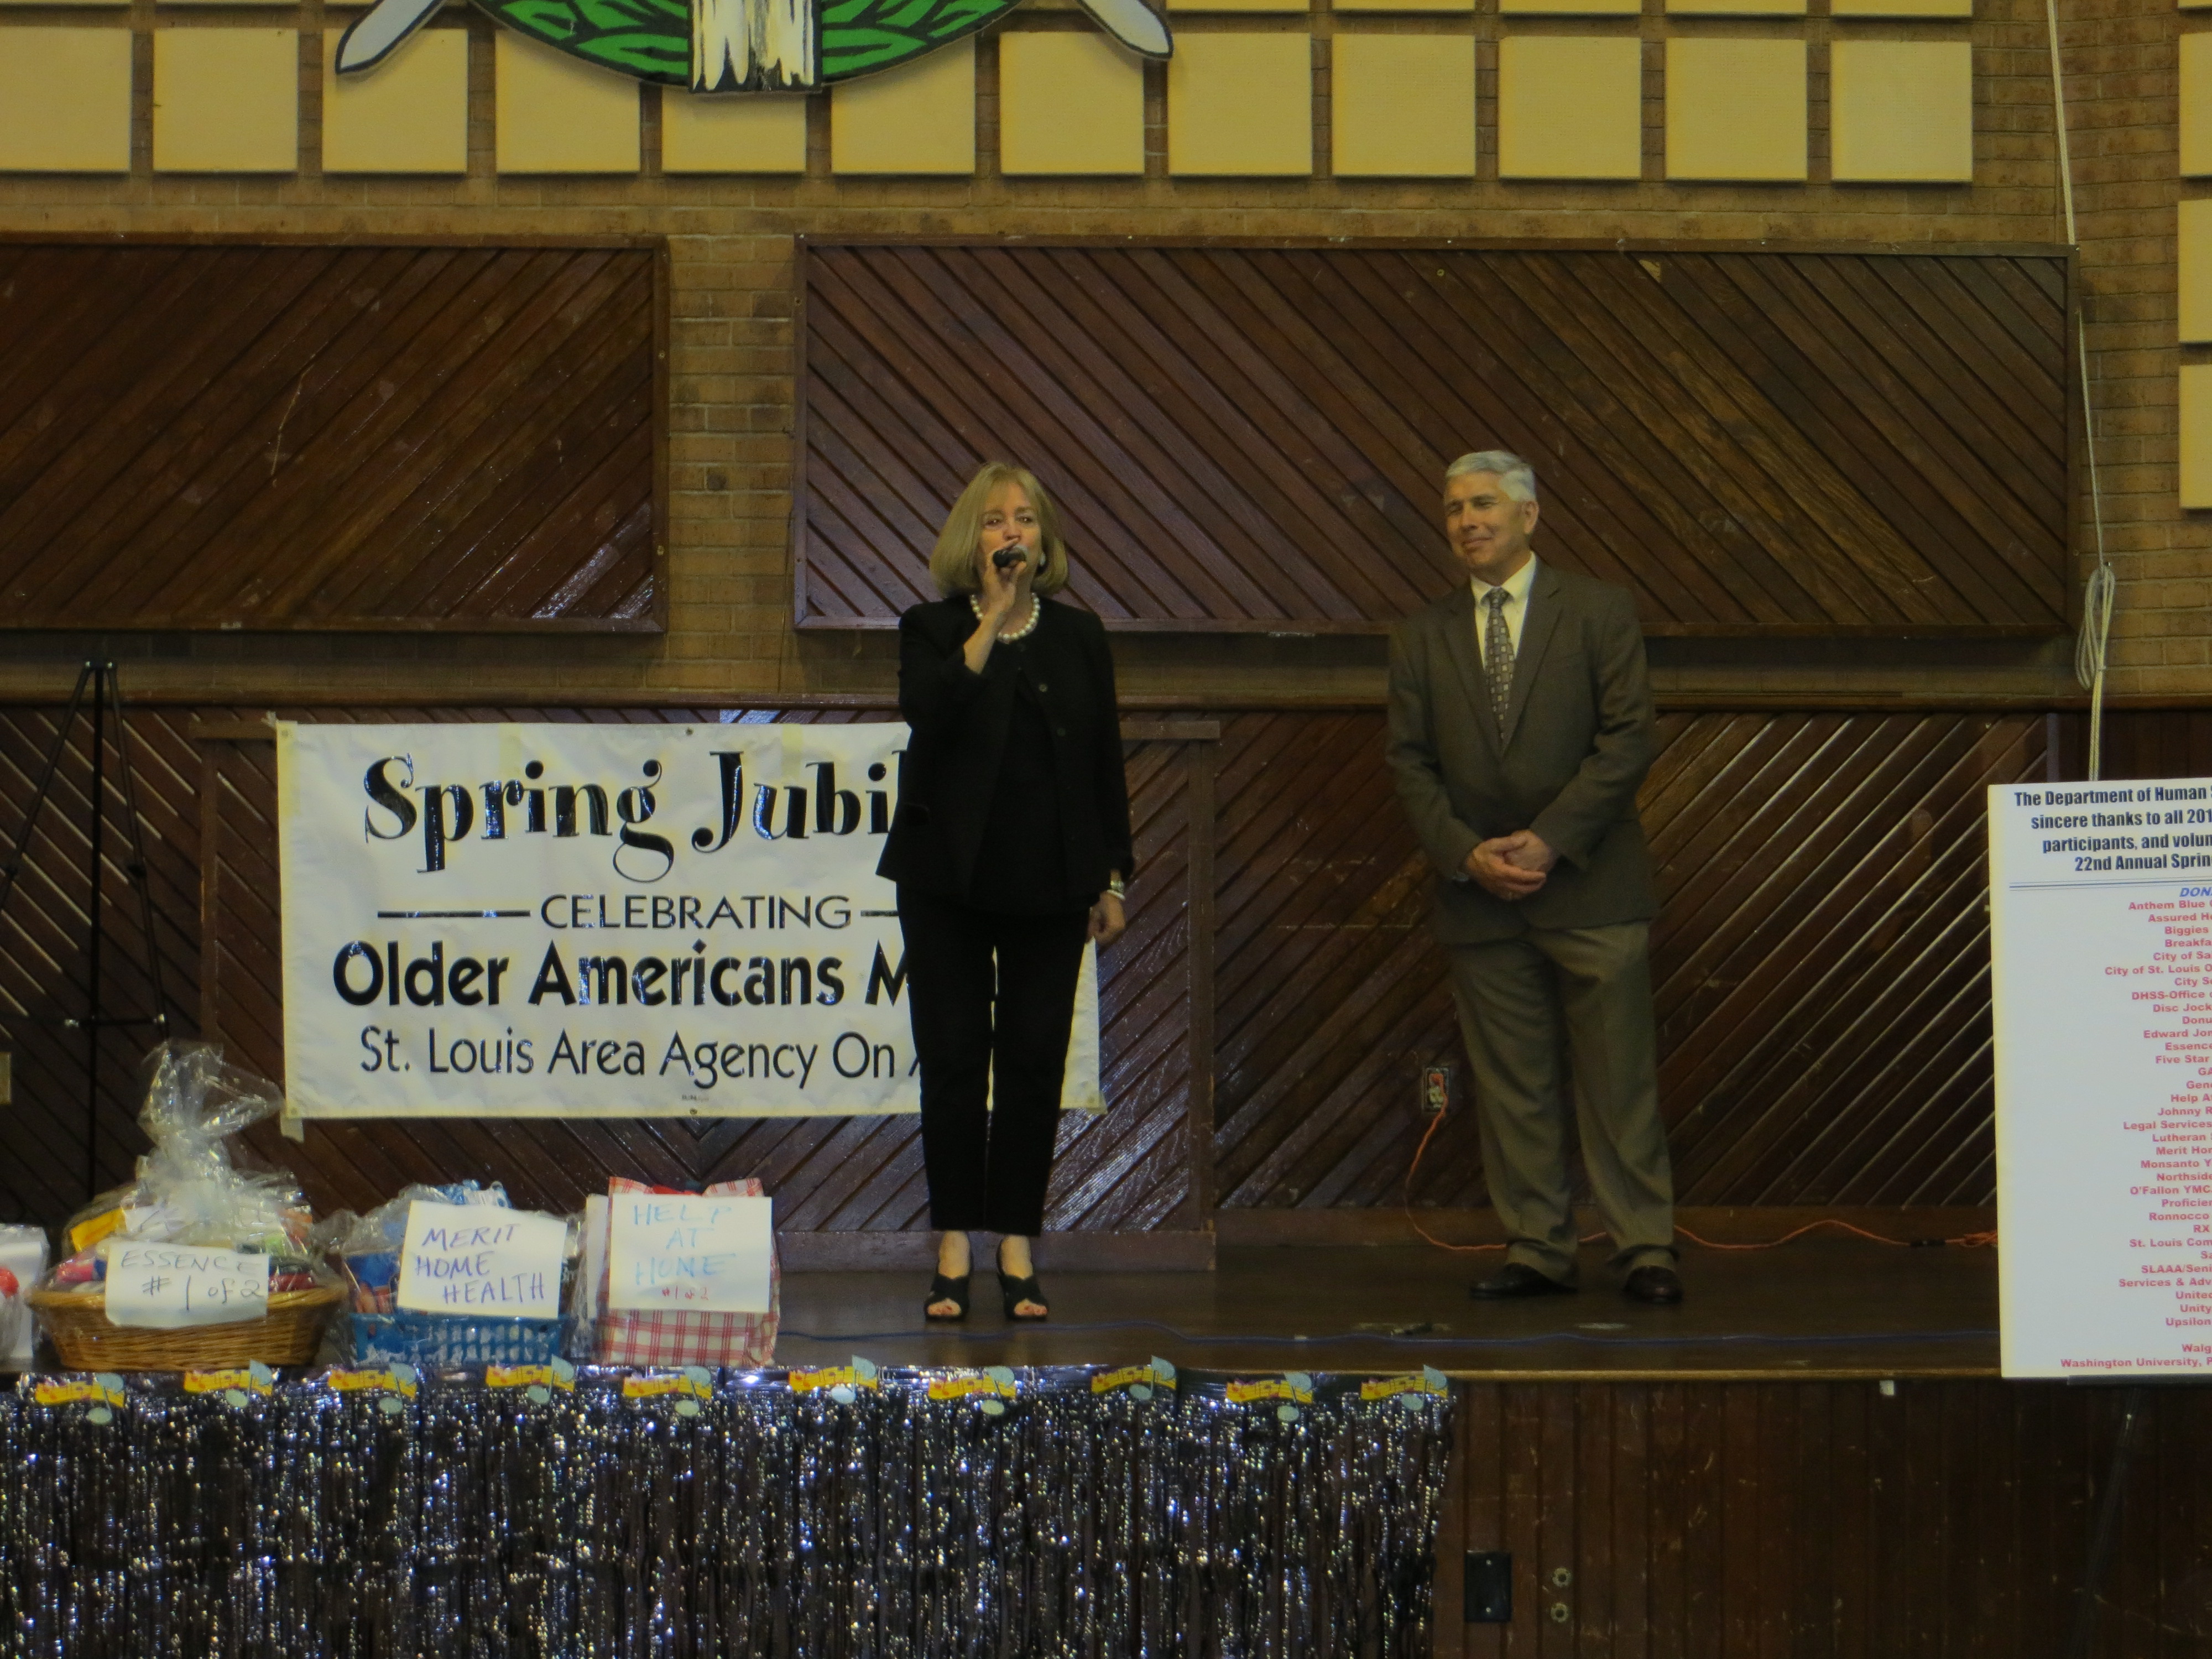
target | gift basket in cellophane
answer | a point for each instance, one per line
(366, 1251)
(197, 1264)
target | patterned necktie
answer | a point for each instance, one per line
(1498, 657)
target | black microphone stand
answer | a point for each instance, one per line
(106, 688)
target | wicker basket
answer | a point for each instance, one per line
(86, 1339)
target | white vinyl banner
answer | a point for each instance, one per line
(599, 921)
(2101, 949)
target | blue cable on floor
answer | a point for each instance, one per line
(1001, 1333)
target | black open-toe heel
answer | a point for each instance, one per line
(944, 1288)
(1012, 1292)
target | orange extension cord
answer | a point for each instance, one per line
(1965, 1241)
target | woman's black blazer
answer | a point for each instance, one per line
(959, 721)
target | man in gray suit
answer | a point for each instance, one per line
(1520, 728)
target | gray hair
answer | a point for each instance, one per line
(1515, 476)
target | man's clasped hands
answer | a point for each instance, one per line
(1511, 867)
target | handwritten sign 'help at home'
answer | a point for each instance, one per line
(475, 1259)
(166, 1288)
(674, 1250)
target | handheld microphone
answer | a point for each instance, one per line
(1005, 558)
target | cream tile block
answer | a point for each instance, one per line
(2195, 241)
(65, 101)
(1735, 110)
(918, 118)
(1902, 112)
(1069, 103)
(1569, 106)
(4, 4)
(556, 113)
(1735, 8)
(2197, 435)
(1906, 7)
(1241, 105)
(1570, 8)
(1237, 5)
(752, 132)
(2196, 105)
(1403, 106)
(408, 114)
(226, 101)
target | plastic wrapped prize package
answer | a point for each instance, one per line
(675, 1334)
(198, 1262)
(367, 1247)
(23, 1265)
(378, 1331)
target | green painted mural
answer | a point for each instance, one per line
(739, 46)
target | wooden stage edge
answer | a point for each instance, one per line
(1825, 1307)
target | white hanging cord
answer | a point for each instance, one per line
(2089, 647)
(2096, 607)
(2058, 117)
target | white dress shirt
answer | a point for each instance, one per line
(1515, 588)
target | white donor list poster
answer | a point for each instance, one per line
(2101, 944)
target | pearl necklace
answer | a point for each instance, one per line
(1036, 609)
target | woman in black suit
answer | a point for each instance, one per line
(1009, 847)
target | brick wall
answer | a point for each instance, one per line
(732, 237)
(2123, 80)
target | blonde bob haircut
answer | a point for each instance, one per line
(952, 561)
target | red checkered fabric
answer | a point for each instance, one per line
(685, 1338)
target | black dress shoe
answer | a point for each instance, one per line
(1012, 1292)
(943, 1287)
(1661, 1286)
(1515, 1280)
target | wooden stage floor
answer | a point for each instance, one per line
(1817, 1307)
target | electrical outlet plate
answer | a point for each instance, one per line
(1436, 1090)
(1489, 1599)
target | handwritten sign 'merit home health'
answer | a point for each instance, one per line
(676, 1250)
(475, 1259)
(166, 1288)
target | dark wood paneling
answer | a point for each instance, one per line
(1822, 957)
(1254, 437)
(44, 960)
(1820, 963)
(302, 436)
(1950, 1520)
(1329, 994)
(2139, 743)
